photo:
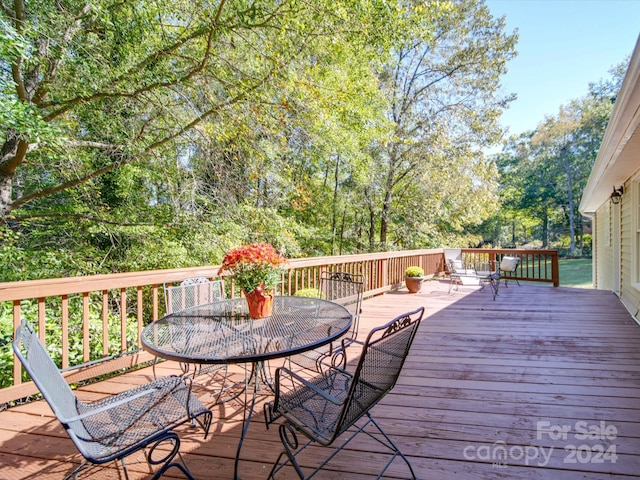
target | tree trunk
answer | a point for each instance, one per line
(6, 185)
(386, 204)
(372, 229)
(14, 152)
(372, 219)
(545, 227)
(384, 220)
(341, 237)
(572, 226)
(334, 208)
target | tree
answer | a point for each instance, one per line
(444, 104)
(544, 172)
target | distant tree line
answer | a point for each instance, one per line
(544, 172)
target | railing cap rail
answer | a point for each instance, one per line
(10, 291)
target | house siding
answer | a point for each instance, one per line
(603, 252)
(618, 165)
(629, 293)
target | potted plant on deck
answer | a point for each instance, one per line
(256, 270)
(413, 278)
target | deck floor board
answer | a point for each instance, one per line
(482, 375)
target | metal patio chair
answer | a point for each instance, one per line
(191, 292)
(491, 273)
(117, 426)
(324, 407)
(508, 265)
(344, 288)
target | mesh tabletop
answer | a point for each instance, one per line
(223, 332)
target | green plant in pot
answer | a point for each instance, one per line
(413, 278)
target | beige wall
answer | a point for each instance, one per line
(602, 250)
(629, 293)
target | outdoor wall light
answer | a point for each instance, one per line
(616, 196)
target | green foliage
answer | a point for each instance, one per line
(53, 333)
(249, 277)
(414, 271)
(308, 292)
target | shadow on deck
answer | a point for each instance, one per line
(542, 383)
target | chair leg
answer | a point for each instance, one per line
(453, 280)
(392, 446)
(495, 285)
(167, 461)
(292, 448)
(290, 443)
(83, 466)
(506, 281)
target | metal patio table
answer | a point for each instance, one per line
(222, 332)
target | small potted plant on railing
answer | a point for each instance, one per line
(256, 270)
(413, 278)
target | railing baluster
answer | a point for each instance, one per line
(154, 302)
(42, 318)
(105, 323)
(65, 331)
(123, 320)
(139, 315)
(85, 326)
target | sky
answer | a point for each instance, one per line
(564, 45)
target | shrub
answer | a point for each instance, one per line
(414, 271)
(308, 292)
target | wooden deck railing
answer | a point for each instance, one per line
(85, 309)
(535, 265)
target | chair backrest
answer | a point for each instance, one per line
(347, 289)
(44, 373)
(509, 264)
(193, 291)
(379, 367)
(452, 259)
(455, 265)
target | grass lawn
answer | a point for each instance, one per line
(575, 272)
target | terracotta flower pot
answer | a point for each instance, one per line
(260, 302)
(414, 284)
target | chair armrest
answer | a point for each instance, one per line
(306, 384)
(109, 406)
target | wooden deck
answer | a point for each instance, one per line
(503, 389)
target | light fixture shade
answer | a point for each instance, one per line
(616, 196)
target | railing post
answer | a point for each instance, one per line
(555, 269)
